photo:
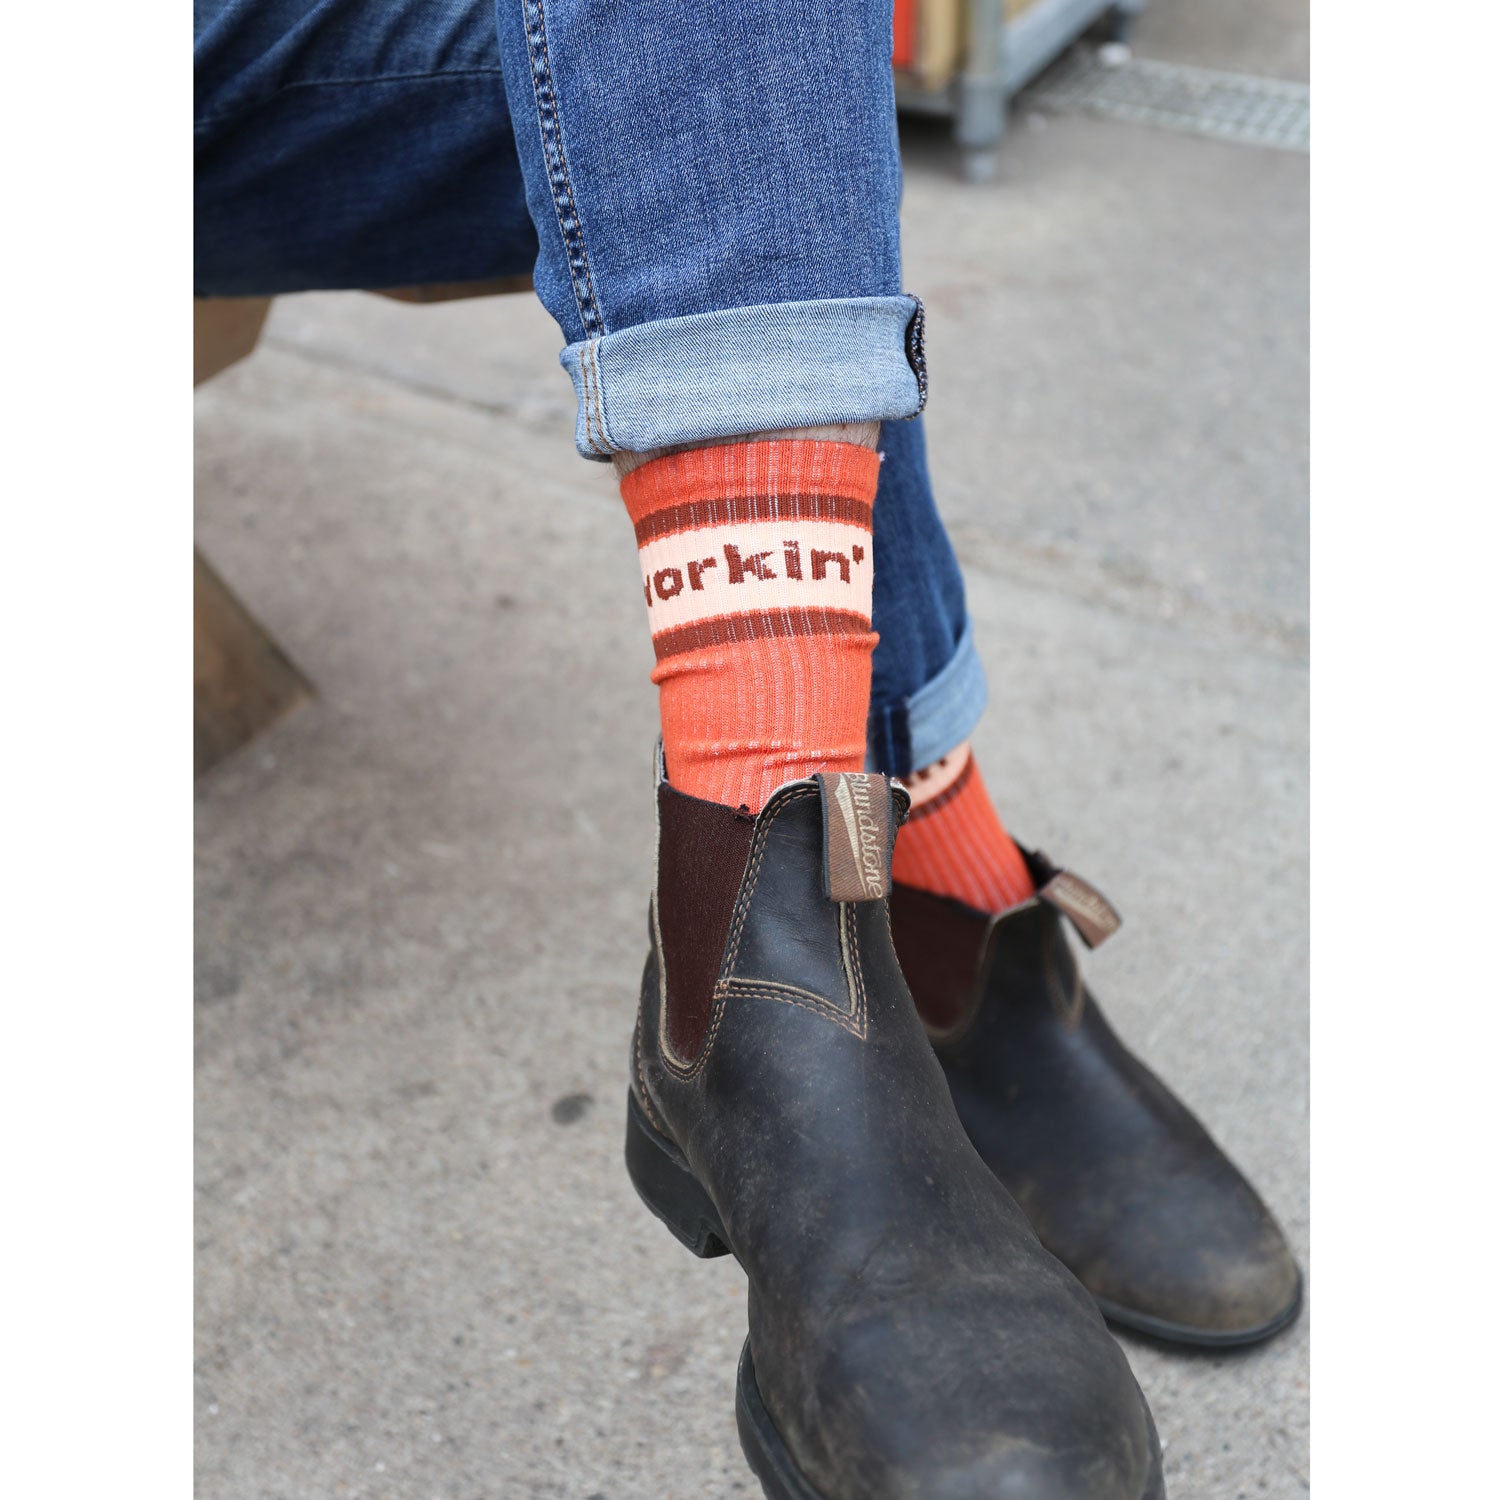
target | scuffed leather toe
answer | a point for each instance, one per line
(1198, 1254)
(942, 1399)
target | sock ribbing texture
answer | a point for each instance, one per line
(756, 567)
(954, 844)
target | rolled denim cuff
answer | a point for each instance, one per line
(916, 731)
(748, 369)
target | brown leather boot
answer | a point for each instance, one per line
(909, 1337)
(1123, 1185)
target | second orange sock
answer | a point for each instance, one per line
(954, 843)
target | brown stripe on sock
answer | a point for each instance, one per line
(725, 630)
(944, 797)
(738, 510)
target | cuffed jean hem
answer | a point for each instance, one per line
(914, 732)
(748, 369)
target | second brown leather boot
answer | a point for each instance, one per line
(1119, 1179)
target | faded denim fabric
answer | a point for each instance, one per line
(731, 259)
(344, 143)
(745, 369)
(928, 688)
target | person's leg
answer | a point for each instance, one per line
(340, 147)
(928, 688)
(716, 192)
(342, 144)
(1121, 1182)
(720, 248)
(929, 692)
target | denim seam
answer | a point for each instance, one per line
(593, 399)
(604, 437)
(588, 398)
(437, 76)
(594, 391)
(564, 201)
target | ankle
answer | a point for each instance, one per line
(861, 434)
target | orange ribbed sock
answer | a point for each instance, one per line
(756, 563)
(954, 843)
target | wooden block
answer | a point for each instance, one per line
(225, 330)
(242, 681)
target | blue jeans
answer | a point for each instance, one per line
(707, 197)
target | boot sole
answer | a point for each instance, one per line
(661, 1176)
(762, 1445)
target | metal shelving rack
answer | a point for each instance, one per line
(1000, 57)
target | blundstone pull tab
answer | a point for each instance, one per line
(857, 833)
(1082, 905)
